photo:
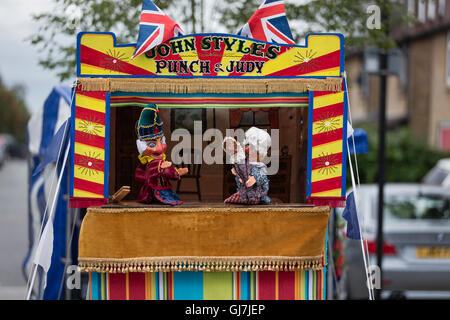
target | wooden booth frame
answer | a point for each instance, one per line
(105, 67)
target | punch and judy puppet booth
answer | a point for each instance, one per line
(207, 249)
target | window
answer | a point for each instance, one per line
(431, 11)
(412, 7)
(444, 136)
(184, 118)
(422, 10)
(441, 8)
(418, 207)
(251, 118)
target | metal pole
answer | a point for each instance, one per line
(382, 148)
(381, 161)
(68, 259)
(50, 220)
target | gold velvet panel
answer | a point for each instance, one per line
(203, 239)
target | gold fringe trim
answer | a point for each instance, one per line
(308, 210)
(209, 85)
(207, 264)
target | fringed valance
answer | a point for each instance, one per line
(209, 85)
(121, 240)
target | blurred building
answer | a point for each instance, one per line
(364, 85)
(419, 75)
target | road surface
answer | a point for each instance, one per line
(13, 228)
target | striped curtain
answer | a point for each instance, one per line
(259, 285)
(203, 100)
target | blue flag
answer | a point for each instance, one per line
(42, 130)
(361, 142)
(52, 151)
(351, 217)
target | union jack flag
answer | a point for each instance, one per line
(155, 27)
(269, 23)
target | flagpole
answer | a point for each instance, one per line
(30, 289)
(50, 218)
(365, 254)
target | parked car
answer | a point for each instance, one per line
(416, 248)
(439, 174)
(3, 150)
(12, 147)
(2, 155)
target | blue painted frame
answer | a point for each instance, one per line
(72, 143)
(344, 144)
(80, 34)
(107, 133)
(309, 159)
(310, 102)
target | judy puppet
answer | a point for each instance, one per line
(249, 170)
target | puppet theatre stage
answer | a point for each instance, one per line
(205, 252)
(208, 251)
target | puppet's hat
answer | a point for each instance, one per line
(149, 125)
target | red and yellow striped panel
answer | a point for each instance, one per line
(326, 152)
(211, 55)
(89, 149)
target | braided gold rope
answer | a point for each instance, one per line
(308, 210)
(210, 85)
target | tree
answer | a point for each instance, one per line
(13, 113)
(57, 28)
(56, 34)
(352, 18)
(407, 159)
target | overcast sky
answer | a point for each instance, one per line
(18, 58)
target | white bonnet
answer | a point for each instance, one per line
(259, 139)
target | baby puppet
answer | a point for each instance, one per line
(153, 171)
(250, 172)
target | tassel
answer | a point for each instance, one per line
(211, 85)
(205, 264)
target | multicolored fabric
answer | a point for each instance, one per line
(184, 100)
(258, 285)
(269, 23)
(155, 27)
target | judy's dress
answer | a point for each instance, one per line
(256, 194)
